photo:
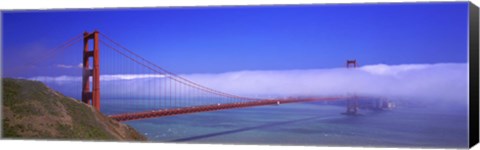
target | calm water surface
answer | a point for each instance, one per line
(312, 124)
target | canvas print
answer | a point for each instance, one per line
(369, 75)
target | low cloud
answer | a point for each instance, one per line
(444, 82)
(57, 80)
(69, 66)
(64, 66)
(129, 77)
(116, 77)
(434, 82)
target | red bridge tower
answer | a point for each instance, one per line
(91, 96)
(352, 103)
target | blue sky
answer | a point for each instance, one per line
(223, 39)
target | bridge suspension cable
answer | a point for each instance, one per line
(49, 53)
(166, 72)
(146, 90)
(160, 88)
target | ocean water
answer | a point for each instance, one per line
(312, 124)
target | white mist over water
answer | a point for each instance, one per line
(441, 83)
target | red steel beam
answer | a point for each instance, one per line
(214, 107)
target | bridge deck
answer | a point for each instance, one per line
(205, 108)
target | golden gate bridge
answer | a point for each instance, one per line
(163, 93)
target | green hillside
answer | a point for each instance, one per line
(32, 110)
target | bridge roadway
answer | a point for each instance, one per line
(214, 107)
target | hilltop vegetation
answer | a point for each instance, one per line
(32, 110)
